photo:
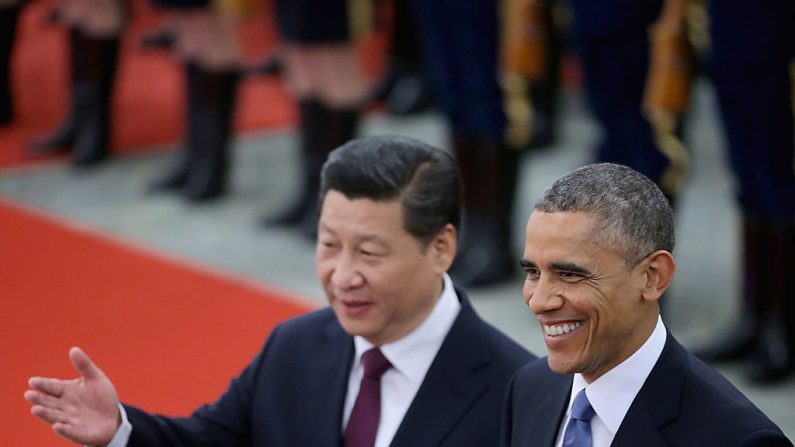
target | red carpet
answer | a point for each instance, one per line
(169, 335)
(149, 96)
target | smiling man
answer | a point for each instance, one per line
(598, 258)
(399, 358)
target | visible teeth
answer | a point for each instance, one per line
(560, 329)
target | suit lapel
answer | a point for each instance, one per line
(451, 385)
(329, 384)
(546, 411)
(657, 402)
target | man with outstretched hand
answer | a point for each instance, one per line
(399, 358)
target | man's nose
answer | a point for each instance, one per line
(346, 274)
(543, 295)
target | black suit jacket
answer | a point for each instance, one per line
(293, 393)
(683, 402)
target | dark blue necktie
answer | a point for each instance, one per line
(578, 432)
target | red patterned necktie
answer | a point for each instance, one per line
(363, 423)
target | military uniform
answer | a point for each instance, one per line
(323, 73)
(753, 47)
(201, 173)
(460, 44)
(94, 38)
(613, 45)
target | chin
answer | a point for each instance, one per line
(560, 366)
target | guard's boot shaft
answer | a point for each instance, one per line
(489, 172)
(210, 123)
(742, 339)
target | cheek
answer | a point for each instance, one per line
(528, 287)
(324, 269)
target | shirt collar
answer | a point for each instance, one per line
(413, 354)
(612, 394)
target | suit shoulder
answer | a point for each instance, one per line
(502, 345)
(535, 381)
(306, 328)
(315, 319)
(710, 399)
(536, 372)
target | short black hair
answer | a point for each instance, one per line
(423, 178)
(635, 217)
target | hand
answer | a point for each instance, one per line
(83, 410)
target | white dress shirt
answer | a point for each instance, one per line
(411, 357)
(612, 394)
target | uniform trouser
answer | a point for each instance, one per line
(615, 67)
(751, 73)
(754, 86)
(460, 51)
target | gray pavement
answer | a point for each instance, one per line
(224, 235)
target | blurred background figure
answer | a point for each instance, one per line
(204, 39)
(532, 48)
(402, 88)
(322, 72)
(95, 28)
(753, 74)
(9, 13)
(460, 46)
(612, 41)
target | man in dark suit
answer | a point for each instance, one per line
(598, 258)
(399, 358)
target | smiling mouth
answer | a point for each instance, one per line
(554, 330)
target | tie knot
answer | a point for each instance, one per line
(375, 364)
(582, 409)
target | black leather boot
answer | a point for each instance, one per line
(313, 117)
(63, 137)
(209, 155)
(8, 30)
(403, 88)
(98, 58)
(774, 359)
(86, 129)
(489, 171)
(322, 129)
(742, 339)
(176, 176)
(341, 127)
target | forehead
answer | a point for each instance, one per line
(561, 226)
(361, 217)
(561, 236)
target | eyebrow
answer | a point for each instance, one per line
(564, 266)
(570, 267)
(325, 227)
(365, 238)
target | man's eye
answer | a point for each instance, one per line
(570, 276)
(532, 272)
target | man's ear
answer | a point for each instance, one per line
(444, 246)
(658, 269)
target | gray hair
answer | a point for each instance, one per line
(634, 215)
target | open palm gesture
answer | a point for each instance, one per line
(83, 410)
